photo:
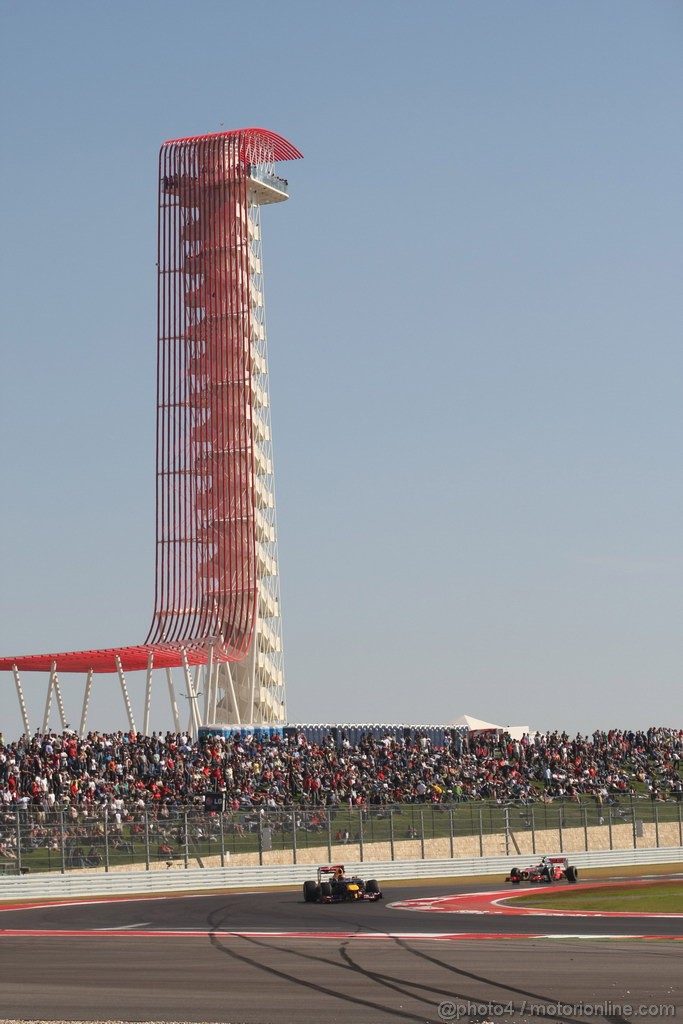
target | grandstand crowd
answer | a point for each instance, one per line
(125, 773)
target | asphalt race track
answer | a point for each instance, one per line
(261, 958)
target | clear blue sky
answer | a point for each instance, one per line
(475, 326)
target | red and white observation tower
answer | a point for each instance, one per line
(217, 603)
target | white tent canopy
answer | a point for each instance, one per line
(477, 725)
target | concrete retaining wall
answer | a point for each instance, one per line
(176, 879)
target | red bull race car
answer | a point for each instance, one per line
(547, 871)
(333, 885)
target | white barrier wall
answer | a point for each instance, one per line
(177, 880)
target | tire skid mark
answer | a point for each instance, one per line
(108, 933)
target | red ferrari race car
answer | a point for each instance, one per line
(335, 886)
(549, 870)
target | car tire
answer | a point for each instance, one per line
(572, 874)
(311, 892)
(325, 890)
(372, 886)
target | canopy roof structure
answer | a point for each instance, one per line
(111, 659)
(478, 725)
(255, 143)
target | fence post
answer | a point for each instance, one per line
(360, 833)
(481, 832)
(106, 839)
(559, 827)
(61, 840)
(584, 812)
(450, 830)
(609, 826)
(656, 825)
(186, 852)
(533, 833)
(146, 839)
(633, 823)
(422, 834)
(391, 830)
(329, 837)
(680, 825)
(294, 833)
(260, 840)
(18, 819)
(222, 818)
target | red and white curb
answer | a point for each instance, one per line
(314, 936)
(498, 903)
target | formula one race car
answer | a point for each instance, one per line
(335, 886)
(549, 870)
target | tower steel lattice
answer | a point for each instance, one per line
(217, 602)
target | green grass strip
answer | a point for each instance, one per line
(664, 897)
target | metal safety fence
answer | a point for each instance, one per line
(69, 838)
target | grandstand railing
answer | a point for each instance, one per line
(69, 839)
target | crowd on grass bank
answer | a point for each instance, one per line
(124, 774)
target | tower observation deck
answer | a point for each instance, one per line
(217, 601)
